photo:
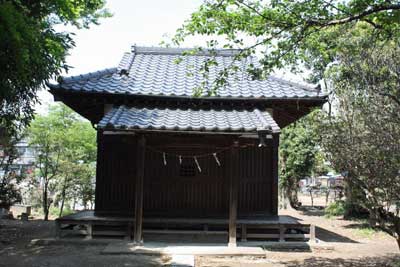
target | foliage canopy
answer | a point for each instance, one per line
(32, 51)
(298, 152)
(9, 177)
(362, 138)
(287, 33)
(66, 151)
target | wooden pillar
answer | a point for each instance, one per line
(99, 192)
(89, 231)
(233, 193)
(312, 233)
(140, 162)
(58, 229)
(282, 230)
(244, 233)
(275, 174)
(129, 231)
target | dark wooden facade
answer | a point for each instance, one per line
(181, 190)
(139, 171)
(132, 180)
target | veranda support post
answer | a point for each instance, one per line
(233, 193)
(140, 162)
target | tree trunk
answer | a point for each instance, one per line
(312, 199)
(45, 200)
(291, 193)
(293, 201)
(292, 197)
(351, 206)
(62, 202)
(396, 223)
(63, 193)
(373, 219)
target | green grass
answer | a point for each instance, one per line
(56, 211)
(363, 230)
(335, 209)
(366, 232)
(396, 263)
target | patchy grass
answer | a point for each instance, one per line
(362, 229)
(55, 211)
(367, 232)
(335, 209)
(396, 263)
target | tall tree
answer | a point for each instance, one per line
(76, 166)
(32, 51)
(46, 134)
(66, 146)
(9, 179)
(297, 156)
(287, 33)
(363, 137)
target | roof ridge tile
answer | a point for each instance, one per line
(126, 62)
(88, 75)
(201, 51)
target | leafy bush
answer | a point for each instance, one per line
(335, 209)
(55, 211)
(9, 195)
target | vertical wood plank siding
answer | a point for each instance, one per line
(169, 193)
(115, 177)
(255, 180)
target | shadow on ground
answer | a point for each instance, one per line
(16, 249)
(384, 261)
(312, 210)
(329, 236)
(359, 226)
(73, 255)
(300, 248)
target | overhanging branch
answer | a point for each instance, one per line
(372, 10)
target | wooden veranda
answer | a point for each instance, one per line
(274, 228)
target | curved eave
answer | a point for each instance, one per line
(140, 130)
(57, 88)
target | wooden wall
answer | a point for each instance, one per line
(115, 177)
(181, 190)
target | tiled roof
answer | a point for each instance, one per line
(123, 117)
(155, 71)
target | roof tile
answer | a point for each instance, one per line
(155, 71)
(212, 120)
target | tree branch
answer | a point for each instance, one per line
(349, 14)
(394, 98)
(373, 10)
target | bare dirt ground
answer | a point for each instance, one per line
(354, 246)
(16, 249)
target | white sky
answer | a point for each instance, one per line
(141, 22)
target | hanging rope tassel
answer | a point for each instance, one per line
(180, 160)
(197, 163)
(165, 159)
(216, 159)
